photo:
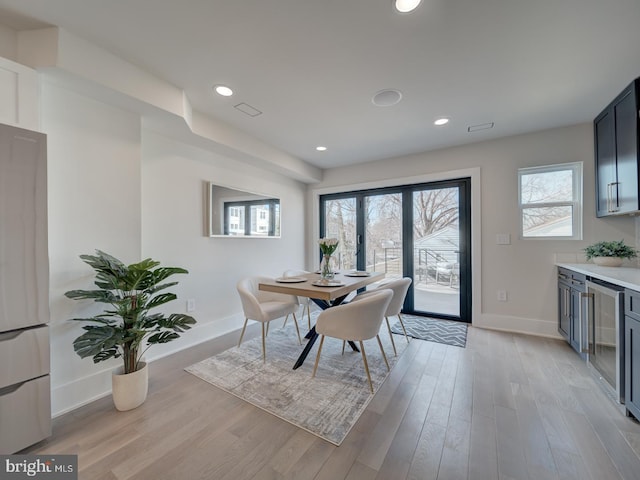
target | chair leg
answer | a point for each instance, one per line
(264, 346)
(268, 323)
(344, 342)
(366, 365)
(285, 321)
(383, 354)
(403, 329)
(243, 329)
(295, 321)
(309, 314)
(315, 367)
(393, 344)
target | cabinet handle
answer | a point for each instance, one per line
(611, 205)
(10, 335)
(584, 321)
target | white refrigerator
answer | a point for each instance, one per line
(25, 396)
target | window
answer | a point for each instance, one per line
(550, 199)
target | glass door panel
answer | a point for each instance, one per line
(340, 223)
(383, 234)
(436, 251)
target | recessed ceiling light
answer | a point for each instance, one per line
(223, 90)
(320, 148)
(441, 121)
(406, 6)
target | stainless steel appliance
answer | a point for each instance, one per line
(605, 326)
(25, 405)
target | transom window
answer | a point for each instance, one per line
(550, 199)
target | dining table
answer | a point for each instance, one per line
(324, 293)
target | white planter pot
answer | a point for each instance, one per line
(608, 261)
(130, 390)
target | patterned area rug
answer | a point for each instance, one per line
(328, 405)
(433, 330)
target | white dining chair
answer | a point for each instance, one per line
(400, 287)
(304, 301)
(264, 306)
(358, 321)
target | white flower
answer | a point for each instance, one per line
(328, 245)
(328, 241)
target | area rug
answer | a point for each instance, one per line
(327, 406)
(433, 330)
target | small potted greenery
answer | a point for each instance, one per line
(609, 254)
(130, 291)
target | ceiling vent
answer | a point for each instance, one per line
(387, 97)
(482, 126)
(248, 109)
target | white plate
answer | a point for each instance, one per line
(357, 274)
(328, 284)
(291, 279)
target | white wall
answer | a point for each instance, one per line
(525, 269)
(137, 194)
(8, 42)
(94, 202)
(173, 212)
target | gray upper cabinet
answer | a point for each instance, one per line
(616, 135)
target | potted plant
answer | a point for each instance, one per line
(131, 291)
(609, 253)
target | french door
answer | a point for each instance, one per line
(420, 231)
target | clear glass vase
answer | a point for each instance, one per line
(326, 268)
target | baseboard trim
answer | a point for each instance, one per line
(510, 323)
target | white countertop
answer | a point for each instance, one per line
(627, 277)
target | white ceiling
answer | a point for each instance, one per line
(312, 66)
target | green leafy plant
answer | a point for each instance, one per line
(131, 291)
(610, 249)
(328, 245)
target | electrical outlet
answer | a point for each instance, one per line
(502, 295)
(191, 305)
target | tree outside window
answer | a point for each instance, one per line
(550, 199)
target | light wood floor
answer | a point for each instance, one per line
(506, 407)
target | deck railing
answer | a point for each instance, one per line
(430, 265)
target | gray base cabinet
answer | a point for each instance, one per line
(571, 286)
(632, 352)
